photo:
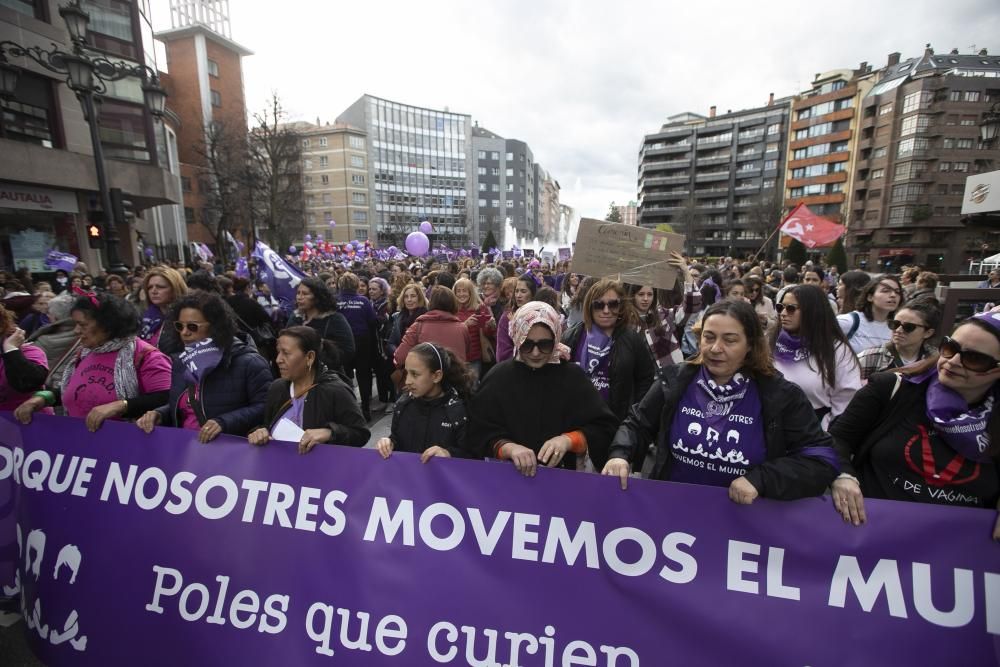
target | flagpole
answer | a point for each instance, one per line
(767, 240)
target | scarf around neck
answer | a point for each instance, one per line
(152, 320)
(199, 360)
(963, 428)
(125, 374)
(789, 348)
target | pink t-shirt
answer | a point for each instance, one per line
(189, 419)
(10, 398)
(93, 380)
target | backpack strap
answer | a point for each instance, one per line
(855, 326)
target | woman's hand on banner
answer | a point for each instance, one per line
(24, 411)
(149, 421)
(97, 415)
(384, 447)
(552, 452)
(432, 451)
(620, 468)
(522, 457)
(848, 500)
(742, 492)
(209, 431)
(313, 437)
(259, 436)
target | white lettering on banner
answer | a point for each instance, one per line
(444, 646)
(388, 628)
(738, 565)
(39, 471)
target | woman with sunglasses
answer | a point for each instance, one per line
(609, 349)
(112, 373)
(867, 325)
(914, 326)
(761, 303)
(524, 291)
(928, 433)
(219, 382)
(811, 351)
(538, 407)
(726, 418)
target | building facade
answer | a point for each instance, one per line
(48, 178)
(204, 80)
(549, 208)
(711, 178)
(506, 184)
(628, 213)
(418, 164)
(919, 141)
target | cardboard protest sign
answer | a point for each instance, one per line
(632, 254)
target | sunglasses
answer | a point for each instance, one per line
(545, 346)
(977, 362)
(791, 308)
(612, 305)
(190, 326)
(908, 327)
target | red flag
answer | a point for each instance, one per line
(810, 229)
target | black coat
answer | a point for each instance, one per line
(332, 326)
(421, 423)
(631, 371)
(233, 393)
(329, 404)
(790, 424)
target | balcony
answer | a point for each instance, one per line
(662, 180)
(666, 149)
(718, 159)
(712, 177)
(751, 154)
(660, 196)
(664, 164)
(745, 138)
(711, 192)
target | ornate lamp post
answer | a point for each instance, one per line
(87, 76)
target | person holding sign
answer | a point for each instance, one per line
(929, 433)
(429, 418)
(538, 407)
(309, 404)
(112, 373)
(727, 418)
(219, 383)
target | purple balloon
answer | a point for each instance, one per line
(309, 237)
(309, 244)
(417, 244)
(292, 249)
(149, 252)
(426, 227)
(333, 223)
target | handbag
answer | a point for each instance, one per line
(489, 353)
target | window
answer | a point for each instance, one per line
(960, 166)
(357, 162)
(357, 143)
(877, 173)
(510, 203)
(324, 161)
(913, 124)
(213, 68)
(885, 109)
(495, 203)
(322, 142)
(357, 179)
(495, 171)
(305, 143)
(771, 147)
(123, 131)
(964, 143)
(481, 155)
(912, 146)
(482, 203)
(495, 187)
(900, 215)
(969, 121)
(307, 180)
(510, 187)
(27, 117)
(216, 99)
(774, 128)
(481, 171)
(324, 179)
(918, 100)
(770, 164)
(359, 216)
(189, 215)
(767, 184)
(879, 152)
(359, 198)
(110, 27)
(907, 191)
(482, 187)
(510, 156)
(970, 96)
(510, 173)
(494, 155)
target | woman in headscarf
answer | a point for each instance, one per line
(112, 374)
(538, 406)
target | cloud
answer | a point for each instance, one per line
(580, 82)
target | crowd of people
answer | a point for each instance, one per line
(778, 382)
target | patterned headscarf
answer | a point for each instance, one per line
(527, 316)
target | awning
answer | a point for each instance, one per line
(896, 252)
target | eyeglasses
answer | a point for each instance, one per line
(977, 362)
(791, 308)
(190, 326)
(908, 327)
(545, 346)
(612, 305)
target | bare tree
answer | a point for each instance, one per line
(223, 156)
(687, 220)
(275, 176)
(764, 216)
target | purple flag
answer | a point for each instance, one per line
(134, 549)
(56, 260)
(281, 276)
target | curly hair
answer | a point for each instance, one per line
(221, 318)
(758, 360)
(326, 302)
(114, 315)
(7, 323)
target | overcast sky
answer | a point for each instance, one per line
(581, 82)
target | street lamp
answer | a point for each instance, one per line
(989, 128)
(87, 76)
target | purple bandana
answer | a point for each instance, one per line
(717, 432)
(964, 429)
(152, 320)
(594, 356)
(199, 360)
(789, 348)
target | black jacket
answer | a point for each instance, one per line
(790, 424)
(233, 394)
(329, 404)
(332, 326)
(420, 423)
(631, 371)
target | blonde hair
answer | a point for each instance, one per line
(421, 297)
(173, 278)
(474, 300)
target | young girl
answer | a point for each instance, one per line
(429, 418)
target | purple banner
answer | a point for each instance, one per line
(282, 277)
(156, 550)
(56, 260)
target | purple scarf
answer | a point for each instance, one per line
(152, 320)
(717, 432)
(594, 356)
(718, 291)
(963, 428)
(199, 360)
(789, 348)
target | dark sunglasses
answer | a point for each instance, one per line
(977, 362)
(791, 308)
(908, 327)
(545, 346)
(190, 326)
(612, 305)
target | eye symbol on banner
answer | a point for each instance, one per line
(694, 428)
(711, 435)
(733, 436)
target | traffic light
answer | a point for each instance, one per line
(121, 208)
(95, 229)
